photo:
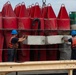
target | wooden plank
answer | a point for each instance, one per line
(38, 66)
(2, 73)
(70, 72)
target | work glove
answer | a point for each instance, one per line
(65, 39)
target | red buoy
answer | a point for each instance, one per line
(24, 23)
(63, 20)
(38, 24)
(9, 23)
(50, 24)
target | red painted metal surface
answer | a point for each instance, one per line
(50, 24)
(32, 9)
(44, 12)
(9, 22)
(37, 11)
(38, 51)
(63, 19)
(24, 52)
(1, 46)
(24, 23)
(17, 9)
(1, 37)
(28, 11)
(51, 21)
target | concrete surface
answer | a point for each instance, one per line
(39, 72)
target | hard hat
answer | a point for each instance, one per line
(14, 32)
(73, 32)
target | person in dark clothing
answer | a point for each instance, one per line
(73, 46)
(13, 45)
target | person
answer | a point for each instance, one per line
(13, 45)
(73, 44)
